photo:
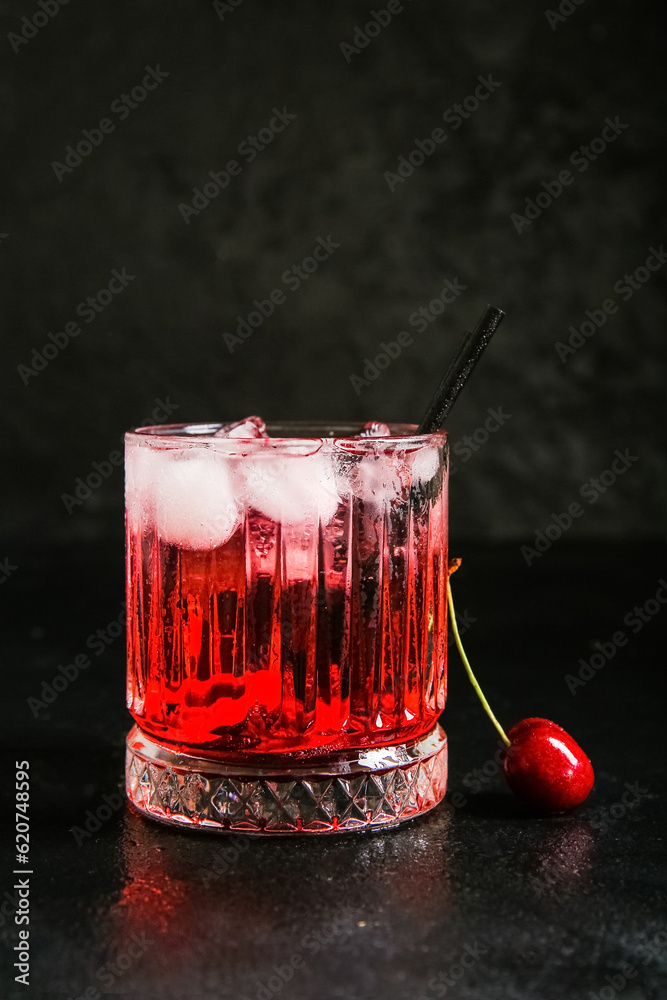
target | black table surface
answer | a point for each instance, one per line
(478, 899)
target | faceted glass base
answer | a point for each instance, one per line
(358, 790)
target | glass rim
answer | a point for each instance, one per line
(313, 431)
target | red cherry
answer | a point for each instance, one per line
(545, 767)
(542, 763)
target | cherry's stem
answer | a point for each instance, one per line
(466, 664)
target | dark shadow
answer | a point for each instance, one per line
(498, 805)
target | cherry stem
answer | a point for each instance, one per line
(466, 664)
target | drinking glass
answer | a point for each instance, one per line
(287, 626)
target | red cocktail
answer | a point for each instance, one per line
(287, 624)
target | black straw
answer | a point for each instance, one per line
(456, 376)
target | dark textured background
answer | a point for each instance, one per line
(558, 903)
(561, 903)
(162, 337)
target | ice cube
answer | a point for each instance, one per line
(295, 490)
(195, 502)
(425, 464)
(141, 472)
(382, 477)
(251, 427)
(375, 428)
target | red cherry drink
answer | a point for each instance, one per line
(287, 610)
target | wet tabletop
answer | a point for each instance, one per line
(479, 899)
